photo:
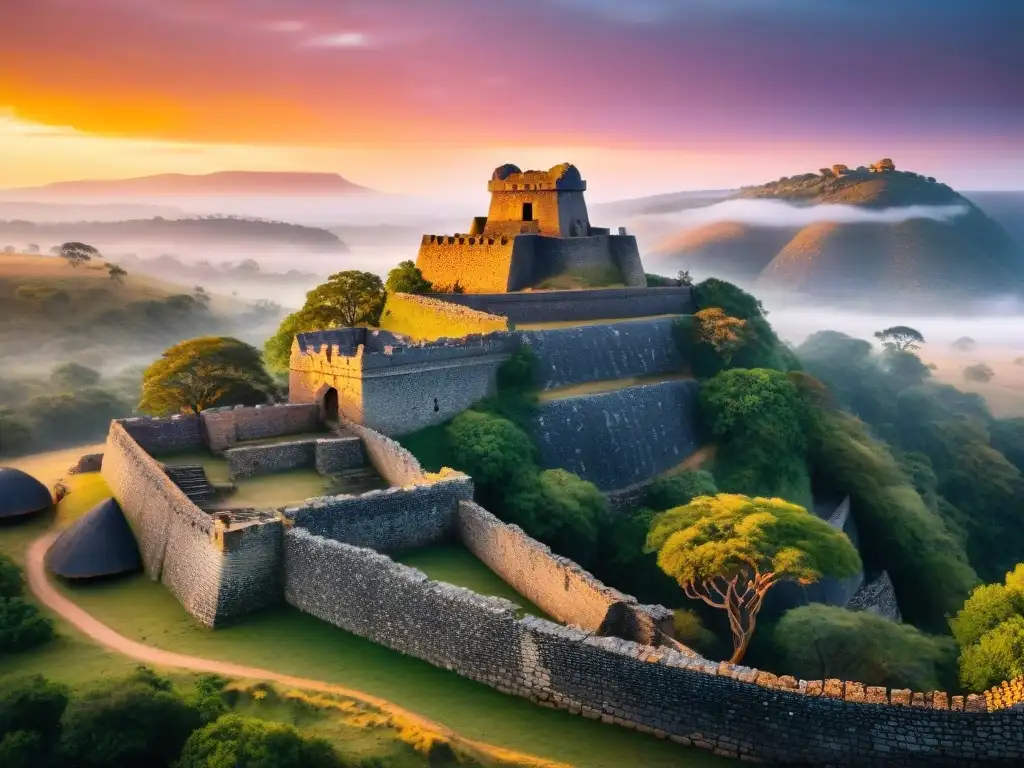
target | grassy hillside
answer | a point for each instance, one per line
(966, 256)
(53, 312)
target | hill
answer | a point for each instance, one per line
(51, 312)
(184, 185)
(898, 233)
(209, 231)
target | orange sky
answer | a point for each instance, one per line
(418, 97)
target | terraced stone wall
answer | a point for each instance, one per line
(254, 460)
(425, 319)
(555, 584)
(226, 426)
(567, 306)
(392, 462)
(159, 437)
(336, 454)
(583, 353)
(617, 439)
(392, 520)
(736, 711)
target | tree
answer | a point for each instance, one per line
(490, 449)
(904, 368)
(116, 273)
(347, 299)
(990, 632)
(137, 721)
(71, 377)
(68, 418)
(979, 372)
(199, 294)
(245, 742)
(676, 490)
(22, 625)
(30, 711)
(723, 333)
(15, 433)
(55, 250)
(12, 584)
(900, 338)
(729, 550)
(818, 642)
(683, 276)
(202, 373)
(964, 344)
(32, 248)
(78, 253)
(407, 278)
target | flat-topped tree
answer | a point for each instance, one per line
(78, 253)
(729, 550)
(900, 338)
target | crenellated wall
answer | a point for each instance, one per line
(617, 439)
(555, 584)
(475, 263)
(567, 306)
(737, 711)
(582, 353)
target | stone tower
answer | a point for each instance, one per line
(537, 202)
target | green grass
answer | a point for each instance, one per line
(454, 564)
(594, 277)
(288, 641)
(608, 385)
(428, 445)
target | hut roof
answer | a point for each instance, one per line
(99, 543)
(21, 494)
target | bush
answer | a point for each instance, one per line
(990, 632)
(12, 583)
(245, 742)
(492, 450)
(133, 722)
(407, 278)
(31, 704)
(677, 490)
(22, 625)
(15, 433)
(817, 642)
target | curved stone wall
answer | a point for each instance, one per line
(617, 439)
(567, 356)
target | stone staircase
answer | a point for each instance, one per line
(191, 478)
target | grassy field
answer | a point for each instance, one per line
(608, 385)
(454, 564)
(288, 641)
(574, 323)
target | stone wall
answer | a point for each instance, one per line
(336, 454)
(226, 426)
(738, 712)
(565, 306)
(617, 439)
(477, 264)
(392, 462)
(567, 356)
(877, 596)
(254, 460)
(555, 584)
(392, 520)
(425, 319)
(159, 437)
(90, 462)
(180, 545)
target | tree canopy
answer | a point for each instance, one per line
(990, 632)
(900, 338)
(347, 299)
(78, 253)
(70, 377)
(407, 278)
(245, 742)
(203, 373)
(729, 550)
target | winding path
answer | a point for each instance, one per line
(45, 592)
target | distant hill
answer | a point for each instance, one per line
(263, 183)
(191, 232)
(48, 213)
(916, 253)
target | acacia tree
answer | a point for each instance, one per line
(900, 338)
(729, 550)
(203, 373)
(116, 273)
(78, 253)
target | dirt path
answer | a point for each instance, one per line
(45, 592)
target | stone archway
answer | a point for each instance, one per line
(329, 408)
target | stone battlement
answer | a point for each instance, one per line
(465, 240)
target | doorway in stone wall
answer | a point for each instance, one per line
(527, 211)
(331, 405)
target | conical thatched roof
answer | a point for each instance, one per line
(21, 494)
(99, 543)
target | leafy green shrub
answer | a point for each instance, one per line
(22, 625)
(15, 433)
(492, 450)
(12, 583)
(245, 742)
(407, 278)
(679, 489)
(31, 704)
(817, 642)
(990, 632)
(132, 722)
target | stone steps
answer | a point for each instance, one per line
(192, 480)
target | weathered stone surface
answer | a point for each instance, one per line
(615, 439)
(255, 460)
(226, 426)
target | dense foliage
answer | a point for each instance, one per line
(246, 742)
(22, 624)
(818, 642)
(407, 278)
(990, 632)
(348, 299)
(729, 550)
(203, 373)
